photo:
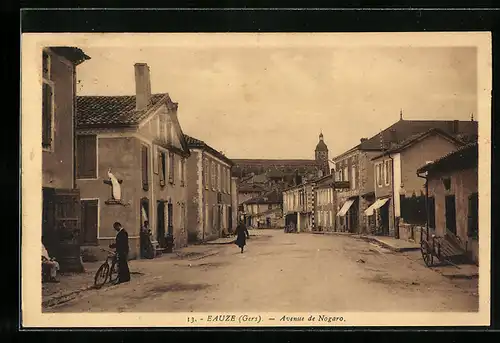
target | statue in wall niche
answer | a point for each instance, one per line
(116, 191)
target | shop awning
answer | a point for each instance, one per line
(375, 206)
(345, 208)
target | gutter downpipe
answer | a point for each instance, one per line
(426, 206)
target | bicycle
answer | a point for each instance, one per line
(108, 270)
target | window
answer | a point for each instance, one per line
(47, 103)
(161, 121)
(183, 171)
(387, 172)
(223, 179)
(171, 167)
(228, 181)
(89, 216)
(219, 178)
(86, 157)
(378, 170)
(145, 169)
(345, 176)
(206, 173)
(353, 177)
(472, 219)
(162, 160)
(212, 171)
(169, 130)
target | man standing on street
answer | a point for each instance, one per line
(122, 249)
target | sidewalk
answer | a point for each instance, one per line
(393, 244)
(72, 284)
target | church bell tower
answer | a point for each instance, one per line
(321, 155)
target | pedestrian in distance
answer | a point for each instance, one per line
(241, 235)
(122, 249)
(146, 245)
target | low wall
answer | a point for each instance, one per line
(410, 232)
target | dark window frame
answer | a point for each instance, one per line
(86, 157)
(145, 167)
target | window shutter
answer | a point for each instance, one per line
(90, 156)
(145, 180)
(161, 166)
(47, 115)
(156, 157)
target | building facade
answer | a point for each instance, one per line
(264, 211)
(61, 221)
(325, 209)
(211, 210)
(399, 192)
(453, 184)
(299, 206)
(131, 167)
(356, 167)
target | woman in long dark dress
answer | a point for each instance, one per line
(242, 235)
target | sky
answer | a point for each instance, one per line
(272, 102)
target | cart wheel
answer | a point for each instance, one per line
(426, 253)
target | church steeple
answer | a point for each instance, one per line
(321, 154)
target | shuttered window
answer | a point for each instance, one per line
(183, 171)
(171, 167)
(472, 219)
(89, 221)
(86, 157)
(47, 115)
(162, 164)
(144, 166)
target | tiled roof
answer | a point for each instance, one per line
(112, 110)
(272, 197)
(467, 131)
(275, 162)
(196, 143)
(409, 141)
(465, 156)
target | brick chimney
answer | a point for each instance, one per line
(142, 86)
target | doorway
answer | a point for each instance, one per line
(160, 223)
(170, 215)
(384, 219)
(451, 218)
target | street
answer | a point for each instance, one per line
(283, 272)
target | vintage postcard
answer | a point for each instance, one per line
(226, 180)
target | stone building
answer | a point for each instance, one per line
(131, 166)
(356, 166)
(453, 184)
(210, 209)
(325, 208)
(61, 227)
(299, 206)
(399, 192)
(264, 211)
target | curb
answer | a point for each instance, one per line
(387, 246)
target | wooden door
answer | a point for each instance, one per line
(160, 221)
(170, 214)
(89, 221)
(67, 225)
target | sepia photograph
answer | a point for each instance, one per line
(256, 179)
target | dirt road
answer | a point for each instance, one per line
(283, 272)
